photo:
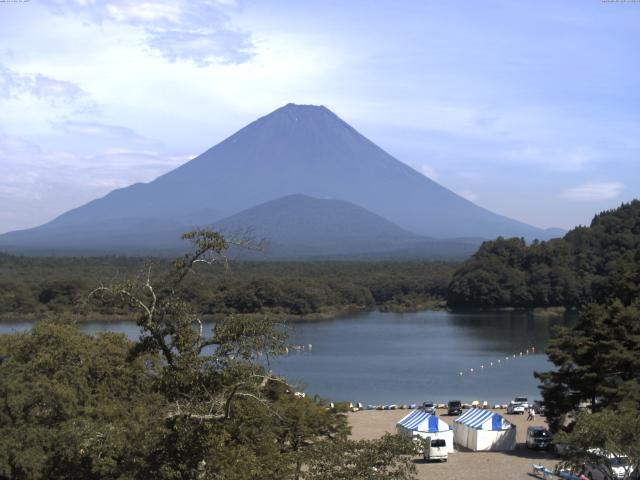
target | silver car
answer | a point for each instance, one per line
(429, 407)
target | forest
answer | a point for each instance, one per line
(169, 406)
(589, 264)
(181, 402)
(586, 265)
(33, 286)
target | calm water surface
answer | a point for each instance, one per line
(407, 358)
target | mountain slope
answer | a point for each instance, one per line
(295, 149)
(130, 236)
(325, 225)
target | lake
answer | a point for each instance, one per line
(382, 358)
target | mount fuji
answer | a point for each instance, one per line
(298, 152)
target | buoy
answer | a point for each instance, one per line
(471, 370)
(481, 366)
(460, 373)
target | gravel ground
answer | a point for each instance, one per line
(514, 465)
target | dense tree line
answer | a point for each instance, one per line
(592, 397)
(589, 264)
(32, 285)
(181, 403)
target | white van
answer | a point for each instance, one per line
(435, 449)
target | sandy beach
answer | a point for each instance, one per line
(369, 424)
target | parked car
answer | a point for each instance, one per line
(538, 405)
(429, 407)
(524, 401)
(454, 407)
(435, 449)
(538, 438)
(518, 405)
(619, 466)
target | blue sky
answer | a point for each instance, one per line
(529, 108)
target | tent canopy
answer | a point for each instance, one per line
(423, 422)
(483, 420)
(483, 430)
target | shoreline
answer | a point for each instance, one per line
(334, 314)
(211, 317)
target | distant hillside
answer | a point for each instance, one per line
(297, 149)
(130, 236)
(322, 226)
(589, 264)
(303, 227)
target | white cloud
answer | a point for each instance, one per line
(593, 191)
(13, 84)
(550, 155)
(37, 184)
(96, 129)
(199, 32)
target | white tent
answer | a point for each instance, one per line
(483, 430)
(423, 424)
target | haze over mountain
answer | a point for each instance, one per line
(297, 149)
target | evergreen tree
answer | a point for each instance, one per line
(588, 265)
(597, 360)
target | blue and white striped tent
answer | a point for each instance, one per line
(421, 421)
(483, 419)
(480, 430)
(423, 424)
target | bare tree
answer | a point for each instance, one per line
(206, 372)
